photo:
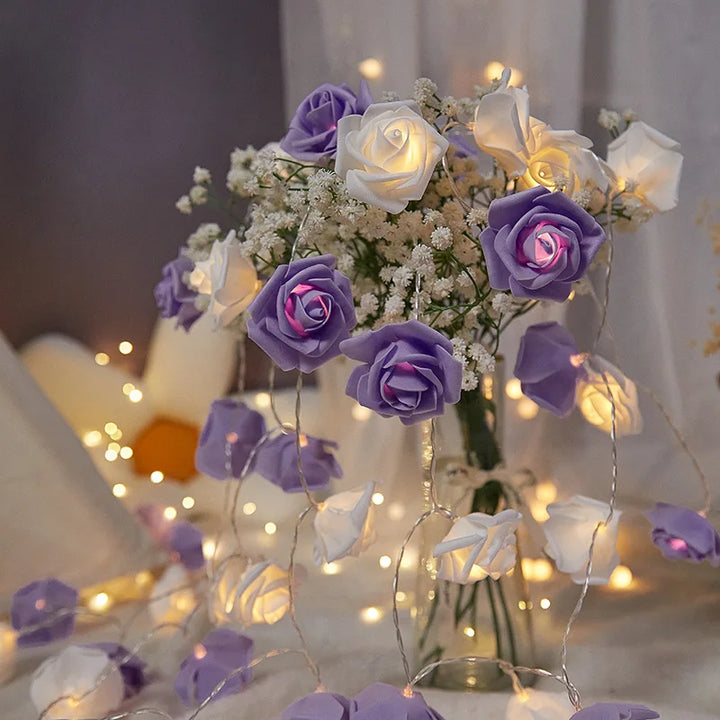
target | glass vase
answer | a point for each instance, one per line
(490, 618)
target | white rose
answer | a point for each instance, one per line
(530, 149)
(250, 594)
(569, 531)
(593, 399)
(388, 155)
(478, 545)
(648, 163)
(72, 673)
(344, 525)
(228, 277)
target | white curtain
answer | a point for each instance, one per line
(658, 58)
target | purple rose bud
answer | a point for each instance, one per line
(615, 711)
(538, 243)
(319, 706)
(185, 544)
(277, 462)
(230, 425)
(47, 603)
(384, 702)
(549, 366)
(303, 313)
(679, 532)
(132, 668)
(211, 662)
(173, 297)
(409, 371)
(313, 130)
(152, 516)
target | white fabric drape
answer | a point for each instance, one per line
(659, 59)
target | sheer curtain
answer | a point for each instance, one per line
(575, 57)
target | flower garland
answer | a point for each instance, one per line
(406, 235)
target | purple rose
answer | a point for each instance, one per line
(132, 668)
(230, 425)
(319, 706)
(384, 702)
(679, 532)
(537, 243)
(173, 297)
(38, 603)
(185, 545)
(549, 366)
(303, 313)
(615, 711)
(211, 662)
(313, 130)
(277, 462)
(409, 371)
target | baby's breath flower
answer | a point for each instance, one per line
(502, 303)
(469, 380)
(201, 175)
(423, 90)
(477, 216)
(184, 205)
(448, 106)
(441, 238)
(198, 195)
(389, 96)
(629, 115)
(608, 119)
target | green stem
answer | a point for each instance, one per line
(496, 620)
(508, 622)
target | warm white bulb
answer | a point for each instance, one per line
(170, 513)
(249, 508)
(125, 347)
(378, 498)
(470, 632)
(332, 568)
(513, 389)
(99, 602)
(527, 409)
(385, 561)
(110, 428)
(370, 68)
(119, 490)
(545, 603)
(127, 388)
(115, 447)
(156, 476)
(102, 358)
(208, 548)
(621, 578)
(360, 412)
(270, 528)
(126, 452)
(92, 438)
(111, 455)
(262, 400)
(188, 502)
(370, 615)
(135, 396)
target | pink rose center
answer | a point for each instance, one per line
(678, 544)
(541, 247)
(316, 308)
(404, 368)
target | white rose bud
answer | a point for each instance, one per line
(74, 672)
(478, 546)
(228, 277)
(344, 525)
(593, 398)
(569, 531)
(388, 155)
(648, 162)
(250, 594)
